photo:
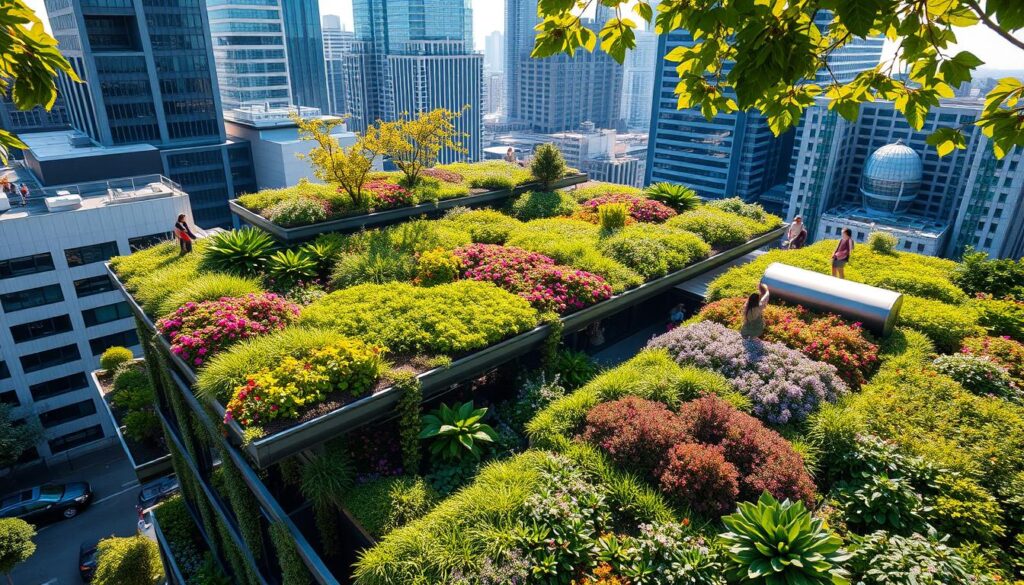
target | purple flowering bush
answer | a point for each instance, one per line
(533, 276)
(197, 331)
(783, 384)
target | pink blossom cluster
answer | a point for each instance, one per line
(442, 175)
(640, 208)
(199, 330)
(387, 194)
(533, 276)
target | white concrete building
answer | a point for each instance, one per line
(275, 142)
(58, 308)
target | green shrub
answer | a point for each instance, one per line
(485, 226)
(654, 250)
(151, 289)
(287, 269)
(456, 431)
(880, 502)
(678, 197)
(1001, 317)
(128, 561)
(574, 368)
(437, 267)
(382, 505)
(541, 204)
(946, 325)
(142, 425)
(547, 165)
(593, 189)
(263, 200)
(207, 287)
(977, 374)
(735, 205)
(612, 216)
(143, 262)
(718, 228)
(492, 174)
(447, 319)
(115, 356)
(16, 544)
(327, 476)
(375, 266)
(243, 252)
(881, 558)
(976, 274)
(133, 391)
(883, 242)
(296, 211)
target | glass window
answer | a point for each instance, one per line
(26, 265)
(75, 439)
(58, 386)
(93, 285)
(10, 397)
(41, 328)
(33, 297)
(63, 414)
(106, 313)
(124, 339)
(4, 371)
(34, 362)
(90, 254)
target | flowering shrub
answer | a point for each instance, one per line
(387, 195)
(783, 385)
(1002, 350)
(298, 211)
(825, 338)
(533, 276)
(303, 380)
(1001, 316)
(699, 476)
(441, 175)
(978, 374)
(199, 330)
(437, 266)
(635, 433)
(640, 208)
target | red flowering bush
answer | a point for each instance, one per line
(700, 477)
(199, 330)
(824, 338)
(442, 175)
(533, 276)
(640, 208)
(387, 195)
(635, 433)
(1002, 350)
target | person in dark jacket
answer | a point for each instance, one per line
(184, 234)
(841, 257)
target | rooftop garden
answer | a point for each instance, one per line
(818, 454)
(281, 334)
(413, 144)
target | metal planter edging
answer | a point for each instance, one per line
(145, 470)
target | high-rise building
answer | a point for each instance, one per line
(37, 119)
(337, 44)
(58, 308)
(413, 56)
(557, 93)
(732, 154)
(305, 44)
(638, 81)
(148, 78)
(878, 174)
(249, 49)
(494, 52)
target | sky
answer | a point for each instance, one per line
(489, 16)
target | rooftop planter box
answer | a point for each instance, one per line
(303, 435)
(150, 460)
(476, 198)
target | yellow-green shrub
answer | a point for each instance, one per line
(719, 228)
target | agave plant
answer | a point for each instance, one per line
(678, 197)
(456, 431)
(324, 253)
(289, 267)
(779, 542)
(243, 252)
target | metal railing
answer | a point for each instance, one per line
(117, 190)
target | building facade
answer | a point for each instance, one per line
(557, 93)
(638, 82)
(250, 53)
(494, 52)
(967, 198)
(37, 119)
(58, 308)
(149, 78)
(337, 44)
(305, 42)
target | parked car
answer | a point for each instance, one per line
(47, 502)
(87, 561)
(157, 491)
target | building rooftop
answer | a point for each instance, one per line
(908, 224)
(63, 144)
(270, 117)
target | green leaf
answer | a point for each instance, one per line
(945, 140)
(858, 15)
(643, 10)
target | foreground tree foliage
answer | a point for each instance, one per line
(16, 437)
(776, 50)
(414, 142)
(346, 167)
(29, 65)
(16, 544)
(128, 561)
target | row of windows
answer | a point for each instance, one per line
(49, 358)
(48, 389)
(75, 439)
(33, 297)
(127, 338)
(65, 414)
(42, 328)
(43, 262)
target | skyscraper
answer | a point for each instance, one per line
(249, 49)
(732, 154)
(337, 44)
(305, 44)
(559, 92)
(413, 56)
(638, 81)
(494, 52)
(148, 78)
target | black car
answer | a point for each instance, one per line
(47, 502)
(87, 561)
(157, 491)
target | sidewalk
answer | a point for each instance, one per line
(82, 466)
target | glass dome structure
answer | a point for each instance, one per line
(891, 179)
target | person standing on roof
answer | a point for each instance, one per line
(184, 234)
